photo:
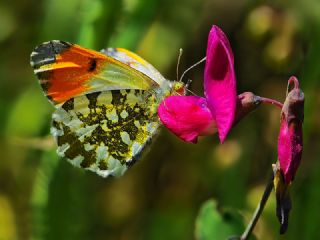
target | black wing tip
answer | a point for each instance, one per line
(46, 52)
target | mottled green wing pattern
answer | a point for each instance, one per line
(105, 131)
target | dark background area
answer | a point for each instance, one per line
(44, 197)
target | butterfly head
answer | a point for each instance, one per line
(178, 88)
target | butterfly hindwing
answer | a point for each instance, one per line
(67, 70)
(105, 131)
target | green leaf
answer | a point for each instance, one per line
(213, 224)
(22, 120)
(40, 194)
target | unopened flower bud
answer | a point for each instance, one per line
(290, 137)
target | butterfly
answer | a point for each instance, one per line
(105, 103)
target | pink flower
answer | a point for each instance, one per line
(189, 117)
(290, 136)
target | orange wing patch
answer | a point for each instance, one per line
(63, 68)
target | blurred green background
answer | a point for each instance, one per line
(44, 197)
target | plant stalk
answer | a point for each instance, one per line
(259, 210)
(271, 101)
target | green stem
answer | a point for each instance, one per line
(259, 210)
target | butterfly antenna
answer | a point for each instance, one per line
(188, 69)
(179, 58)
(191, 92)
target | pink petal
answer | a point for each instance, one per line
(220, 81)
(290, 136)
(187, 117)
(289, 149)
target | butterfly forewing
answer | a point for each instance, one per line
(105, 131)
(67, 70)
